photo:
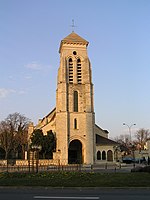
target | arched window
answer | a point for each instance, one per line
(75, 123)
(70, 70)
(79, 71)
(103, 155)
(75, 101)
(109, 155)
(98, 155)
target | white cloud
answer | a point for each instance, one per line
(28, 77)
(37, 66)
(5, 92)
(22, 92)
(34, 65)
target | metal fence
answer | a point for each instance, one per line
(39, 166)
(35, 165)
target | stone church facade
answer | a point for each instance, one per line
(78, 138)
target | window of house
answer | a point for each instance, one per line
(75, 101)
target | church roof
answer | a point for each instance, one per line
(73, 38)
(105, 131)
(104, 141)
(50, 115)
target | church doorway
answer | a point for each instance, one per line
(75, 152)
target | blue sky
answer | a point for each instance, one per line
(118, 32)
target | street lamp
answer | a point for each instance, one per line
(129, 128)
(35, 156)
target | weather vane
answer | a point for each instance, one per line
(73, 26)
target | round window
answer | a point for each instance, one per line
(74, 53)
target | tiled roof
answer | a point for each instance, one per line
(73, 37)
(104, 141)
(105, 131)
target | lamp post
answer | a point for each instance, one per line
(35, 157)
(129, 128)
(132, 147)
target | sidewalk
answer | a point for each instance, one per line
(113, 167)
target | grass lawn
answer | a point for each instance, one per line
(76, 179)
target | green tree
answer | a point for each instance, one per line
(37, 138)
(49, 144)
(46, 142)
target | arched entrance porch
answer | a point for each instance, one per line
(75, 152)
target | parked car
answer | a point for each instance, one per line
(127, 160)
(141, 160)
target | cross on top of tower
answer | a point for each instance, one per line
(73, 26)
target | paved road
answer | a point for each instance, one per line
(73, 194)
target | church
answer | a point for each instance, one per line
(78, 138)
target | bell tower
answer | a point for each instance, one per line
(75, 118)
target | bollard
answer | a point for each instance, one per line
(120, 165)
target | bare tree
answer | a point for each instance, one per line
(13, 132)
(6, 138)
(125, 143)
(123, 139)
(142, 135)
